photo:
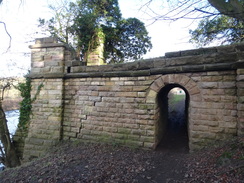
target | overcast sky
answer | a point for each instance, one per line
(21, 21)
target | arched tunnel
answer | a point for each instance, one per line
(172, 130)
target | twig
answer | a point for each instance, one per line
(10, 38)
(3, 89)
(232, 169)
(2, 157)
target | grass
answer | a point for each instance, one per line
(174, 100)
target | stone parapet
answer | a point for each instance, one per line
(207, 59)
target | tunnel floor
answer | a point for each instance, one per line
(174, 141)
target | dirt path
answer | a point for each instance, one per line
(168, 167)
(169, 161)
(102, 163)
(99, 163)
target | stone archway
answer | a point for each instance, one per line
(172, 125)
(163, 84)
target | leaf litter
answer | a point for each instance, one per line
(95, 163)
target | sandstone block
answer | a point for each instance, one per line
(209, 85)
(132, 143)
(151, 97)
(150, 132)
(126, 94)
(141, 94)
(36, 141)
(148, 145)
(139, 132)
(133, 137)
(200, 128)
(147, 139)
(125, 131)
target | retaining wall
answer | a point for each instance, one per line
(119, 103)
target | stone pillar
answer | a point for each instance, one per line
(240, 101)
(47, 70)
(47, 58)
(95, 57)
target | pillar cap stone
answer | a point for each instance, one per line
(46, 42)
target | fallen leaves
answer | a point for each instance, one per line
(104, 163)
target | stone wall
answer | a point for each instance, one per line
(240, 101)
(120, 103)
(213, 115)
(123, 109)
(46, 120)
(109, 109)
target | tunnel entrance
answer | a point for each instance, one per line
(173, 102)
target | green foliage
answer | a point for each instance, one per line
(223, 29)
(128, 40)
(25, 104)
(85, 22)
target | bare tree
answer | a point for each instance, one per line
(8, 155)
(194, 9)
(6, 30)
(179, 9)
(5, 27)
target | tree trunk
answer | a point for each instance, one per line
(232, 8)
(9, 158)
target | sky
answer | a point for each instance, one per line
(21, 21)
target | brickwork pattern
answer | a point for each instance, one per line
(47, 57)
(117, 103)
(240, 98)
(116, 109)
(46, 119)
(214, 116)
(109, 109)
(212, 106)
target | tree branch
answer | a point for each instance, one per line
(2, 153)
(180, 9)
(7, 85)
(233, 8)
(6, 30)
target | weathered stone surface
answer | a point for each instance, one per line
(119, 103)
